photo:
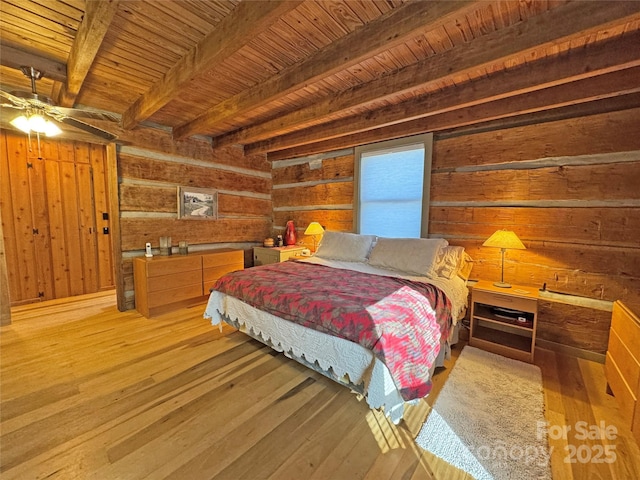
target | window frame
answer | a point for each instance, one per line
(390, 145)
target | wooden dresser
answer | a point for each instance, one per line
(622, 364)
(167, 283)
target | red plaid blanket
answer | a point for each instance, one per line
(392, 317)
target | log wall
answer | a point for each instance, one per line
(569, 188)
(151, 168)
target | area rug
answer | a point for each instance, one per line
(486, 419)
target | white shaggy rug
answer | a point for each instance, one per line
(485, 419)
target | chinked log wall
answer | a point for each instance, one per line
(570, 189)
(151, 167)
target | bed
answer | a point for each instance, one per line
(391, 319)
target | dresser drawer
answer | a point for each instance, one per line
(214, 273)
(167, 266)
(175, 280)
(627, 364)
(173, 295)
(231, 257)
(621, 389)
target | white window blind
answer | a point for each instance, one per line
(390, 191)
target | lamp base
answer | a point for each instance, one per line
(502, 285)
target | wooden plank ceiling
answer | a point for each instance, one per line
(299, 77)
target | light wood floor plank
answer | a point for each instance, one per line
(92, 393)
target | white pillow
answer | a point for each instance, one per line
(416, 256)
(349, 247)
(448, 262)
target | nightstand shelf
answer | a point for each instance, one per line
(504, 321)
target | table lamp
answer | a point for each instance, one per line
(504, 239)
(314, 229)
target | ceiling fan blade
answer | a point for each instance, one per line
(86, 127)
(84, 113)
(19, 102)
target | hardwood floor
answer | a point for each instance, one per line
(90, 392)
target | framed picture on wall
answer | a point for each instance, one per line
(197, 203)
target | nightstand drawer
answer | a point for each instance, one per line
(508, 301)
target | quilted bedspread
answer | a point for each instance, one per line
(400, 321)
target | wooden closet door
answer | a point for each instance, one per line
(51, 203)
(17, 220)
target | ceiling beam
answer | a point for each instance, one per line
(245, 22)
(91, 31)
(15, 58)
(596, 59)
(617, 84)
(558, 25)
(383, 33)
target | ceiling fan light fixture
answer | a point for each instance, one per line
(21, 123)
(36, 123)
(51, 129)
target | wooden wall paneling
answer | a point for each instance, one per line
(137, 231)
(87, 226)
(101, 205)
(187, 174)
(612, 226)
(553, 183)
(330, 219)
(7, 262)
(112, 173)
(149, 173)
(574, 326)
(68, 187)
(58, 239)
(22, 271)
(5, 299)
(603, 133)
(321, 194)
(243, 206)
(148, 198)
(591, 252)
(162, 199)
(338, 168)
(41, 222)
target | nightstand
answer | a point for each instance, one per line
(267, 255)
(504, 320)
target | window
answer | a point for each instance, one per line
(391, 180)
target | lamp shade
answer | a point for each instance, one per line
(504, 239)
(314, 228)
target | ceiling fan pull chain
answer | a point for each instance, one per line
(39, 153)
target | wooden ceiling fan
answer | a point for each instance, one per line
(37, 107)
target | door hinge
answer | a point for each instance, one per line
(35, 231)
